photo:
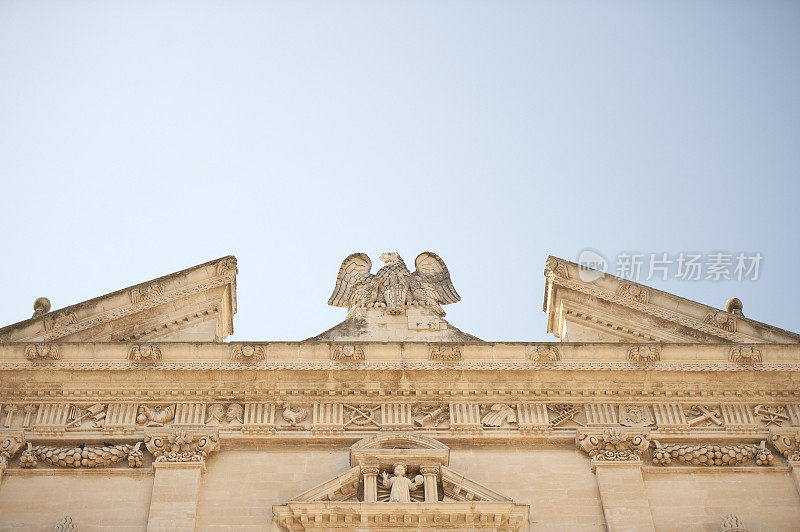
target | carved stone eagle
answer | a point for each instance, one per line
(393, 287)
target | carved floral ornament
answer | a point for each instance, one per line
(614, 445)
(181, 446)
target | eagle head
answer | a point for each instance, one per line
(390, 258)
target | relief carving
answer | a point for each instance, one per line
(614, 445)
(294, 415)
(633, 291)
(144, 353)
(555, 268)
(37, 352)
(563, 412)
(430, 415)
(771, 415)
(704, 416)
(712, 455)
(544, 353)
(499, 415)
(400, 486)
(226, 266)
(181, 446)
(10, 410)
(144, 293)
(9, 446)
(635, 416)
(732, 523)
(81, 456)
(60, 320)
(445, 353)
(745, 354)
(644, 353)
(721, 319)
(221, 414)
(361, 416)
(93, 416)
(156, 415)
(247, 353)
(66, 524)
(787, 443)
(348, 353)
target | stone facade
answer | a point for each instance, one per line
(129, 412)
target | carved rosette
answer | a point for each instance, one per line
(745, 354)
(787, 443)
(712, 455)
(644, 353)
(181, 446)
(247, 353)
(38, 352)
(614, 445)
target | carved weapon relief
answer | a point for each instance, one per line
(430, 416)
(86, 417)
(703, 416)
(772, 415)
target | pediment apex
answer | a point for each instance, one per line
(384, 450)
(197, 304)
(587, 305)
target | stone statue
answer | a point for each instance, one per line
(400, 485)
(394, 287)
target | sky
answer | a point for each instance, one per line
(141, 138)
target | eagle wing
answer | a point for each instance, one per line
(432, 270)
(353, 272)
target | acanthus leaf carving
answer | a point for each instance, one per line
(614, 445)
(181, 446)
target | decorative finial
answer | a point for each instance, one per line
(41, 306)
(734, 306)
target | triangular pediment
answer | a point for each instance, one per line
(585, 305)
(196, 304)
(435, 497)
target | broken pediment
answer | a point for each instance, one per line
(600, 307)
(400, 481)
(196, 304)
(394, 304)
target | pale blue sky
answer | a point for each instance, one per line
(141, 138)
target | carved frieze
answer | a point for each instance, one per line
(499, 415)
(229, 415)
(635, 416)
(430, 415)
(704, 416)
(259, 418)
(59, 320)
(155, 415)
(771, 415)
